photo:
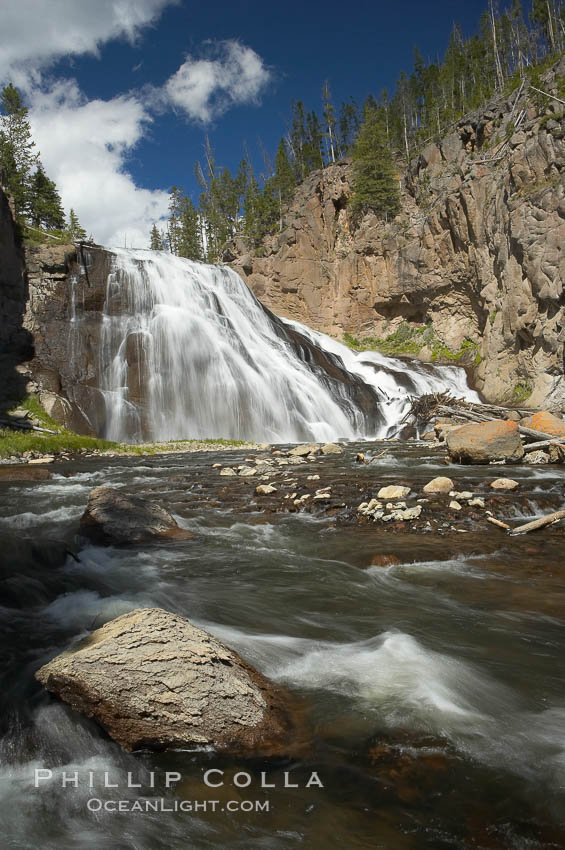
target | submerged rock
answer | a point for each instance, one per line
(407, 513)
(439, 485)
(461, 495)
(112, 516)
(331, 449)
(153, 680)
(265, 489)
(481, 442)
(393, 492)
(504, 484)
(305, 450)
(384, 560)
(22, 472)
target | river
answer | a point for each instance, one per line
(432, 688)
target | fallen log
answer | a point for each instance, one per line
(535, 435)
(24, 426)
(499, 523)
(543, 444)
(425, 407)
(538, 523)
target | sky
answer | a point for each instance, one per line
(122, 93)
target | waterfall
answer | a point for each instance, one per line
(187, 351)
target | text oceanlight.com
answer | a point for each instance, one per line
(160, 804)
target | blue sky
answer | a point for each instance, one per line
(123, 92)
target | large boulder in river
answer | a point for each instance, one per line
(153, 680)
(498, 439)
(114, 516)
(441, 484)
(545, 422)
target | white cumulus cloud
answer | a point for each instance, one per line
(36, 33)
(84, 146)
(206, 87)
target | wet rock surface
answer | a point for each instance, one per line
(113, 516)
(151, 679)
(343, 492)
(384, 629)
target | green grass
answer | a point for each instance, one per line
(522, 391)
(16, 442)
(171, 445)
(36, 412)
(33, 237)
(408, 340)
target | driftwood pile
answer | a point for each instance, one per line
(430, 406)
(427, 407)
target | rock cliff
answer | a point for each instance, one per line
(15, 341)
(59, 277)
(472, 269)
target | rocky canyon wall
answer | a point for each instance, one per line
(63, 370)
(472, 269)
(15, 340)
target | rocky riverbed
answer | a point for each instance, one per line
(402, 643)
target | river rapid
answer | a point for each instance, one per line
(431, 689)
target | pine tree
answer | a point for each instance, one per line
(190, 243)
(297, 140)
(253, 225)
(17, 157)
(374, 180)
(74, 229)
(283, 180)
(543, 13)
(183, 227)
(314, 147)
(45, 202)
(157, 242)
(348, 126)
(329, 120)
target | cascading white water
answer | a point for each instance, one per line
(395, 379)
(188, 351)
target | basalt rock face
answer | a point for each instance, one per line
(476, 252)
(15, 341)
(64, 370)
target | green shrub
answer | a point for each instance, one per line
(522, 391)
